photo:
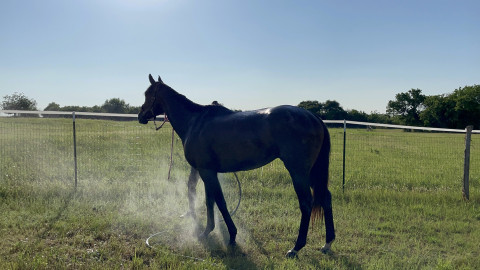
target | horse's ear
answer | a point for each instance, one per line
(160, 79)
(152, 81)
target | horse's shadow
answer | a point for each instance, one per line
(341, 261)
(233, 257)
(216, 247)
(237, 258)
(183, 241)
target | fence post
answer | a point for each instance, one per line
(344, 146)
(74, 149)
(466, 163)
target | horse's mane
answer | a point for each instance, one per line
(215, 109)
(190, 105)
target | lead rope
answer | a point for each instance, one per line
(165, 119)
(171, 155)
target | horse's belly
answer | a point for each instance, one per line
(242, 157)
(234, 164)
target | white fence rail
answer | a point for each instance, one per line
(348, 122)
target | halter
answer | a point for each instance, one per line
(165, 118)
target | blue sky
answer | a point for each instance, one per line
(245, 54)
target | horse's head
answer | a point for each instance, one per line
(152, 106)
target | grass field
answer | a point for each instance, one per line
(402, 207)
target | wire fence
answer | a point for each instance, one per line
(40, 147)
(403, 157)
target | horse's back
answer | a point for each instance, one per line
(295, 121)
(232, 141)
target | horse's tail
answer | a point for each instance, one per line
(319, 176)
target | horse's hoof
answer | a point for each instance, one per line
(232, 243)
(292, 254)
(326, 248)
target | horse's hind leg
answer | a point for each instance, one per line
(305, 199)
(328, 214)
(192, 193)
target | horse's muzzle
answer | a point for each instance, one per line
(142, 118)
(143, 121)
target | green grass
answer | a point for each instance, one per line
(402, 207)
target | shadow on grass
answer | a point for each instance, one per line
(233, 257)
(341, 261)
(215, 247)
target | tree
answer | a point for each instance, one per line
(52, 106)
(439, 112)
(115, 105)
(377, 117)
(18, 101)
(407, 106)
(456, 110)
(467, 106)
(134, 109)
(355, 115)
(312, 106)
(333, 111)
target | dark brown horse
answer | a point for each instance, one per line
(216, 139)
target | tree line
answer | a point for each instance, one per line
(113, 105)
(454, 110)
(18, 101)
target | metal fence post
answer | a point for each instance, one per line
(466, 163)
(344, 145)
(74, 149)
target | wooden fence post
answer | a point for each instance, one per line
(466, 163)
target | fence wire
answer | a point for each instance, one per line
(407, 160)
(41, 149)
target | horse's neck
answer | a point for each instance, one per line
(180, 111)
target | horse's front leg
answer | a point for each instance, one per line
(214, 193)
(209, 201)
(192, 193)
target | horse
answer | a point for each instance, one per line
(216, 140)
